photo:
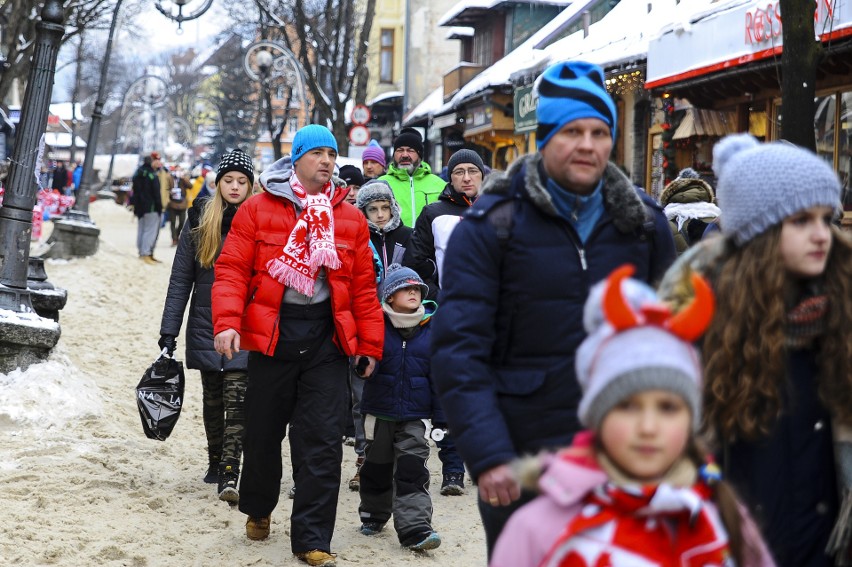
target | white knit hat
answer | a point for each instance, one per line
(614, 363)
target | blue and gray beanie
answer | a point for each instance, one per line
(568, 91)
(398, 277)
(759, 185)
(311, 137)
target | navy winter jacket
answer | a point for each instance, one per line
(512, 313)
(401, 387)
(191, 283)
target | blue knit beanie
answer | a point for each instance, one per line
(759, 185)
(569, 91)
(311, 137)
(398, 277)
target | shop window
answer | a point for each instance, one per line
(844, 148)
(386, 57)
(824, 126)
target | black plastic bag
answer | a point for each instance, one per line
(159, 397)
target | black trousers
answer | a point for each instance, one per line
(494, 518)
(310, 395)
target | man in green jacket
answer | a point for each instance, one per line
(411, 179)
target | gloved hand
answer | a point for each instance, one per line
(169, 343)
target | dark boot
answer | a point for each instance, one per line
(212, 475)
(229, 475)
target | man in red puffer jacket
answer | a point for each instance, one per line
(295, 286)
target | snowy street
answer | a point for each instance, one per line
(82, 484)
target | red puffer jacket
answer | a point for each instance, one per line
(247, 299)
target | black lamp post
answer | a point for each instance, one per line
(16, 215)
(22, 343)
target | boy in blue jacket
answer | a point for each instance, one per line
(398, 398)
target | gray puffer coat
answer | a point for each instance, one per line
(192, 283)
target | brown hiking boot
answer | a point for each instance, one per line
(318, 557)
(258, 528)
(355, 483)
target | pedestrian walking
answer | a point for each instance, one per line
(398, 397)
(413, 183)
(636, 489)
(516, 275)
(177, 204)
(690, 205)
(60, 177)
(436, 221)
(295, 286)
(223, 379)
(373, 161)
(147, 208)
(778, 355)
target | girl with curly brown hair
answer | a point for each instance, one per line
(778, 356)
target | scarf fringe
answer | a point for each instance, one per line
(290, 277)
(324, 257)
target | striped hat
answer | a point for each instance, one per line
(568, 91)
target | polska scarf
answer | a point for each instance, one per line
(310, 244)
(661, 525)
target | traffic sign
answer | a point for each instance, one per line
(359, 135)
(360, 114)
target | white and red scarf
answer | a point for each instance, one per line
(311, 243)
(660, 526)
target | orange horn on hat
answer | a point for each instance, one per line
(691, 322)
(615, 308)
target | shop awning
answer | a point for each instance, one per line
(702, 122)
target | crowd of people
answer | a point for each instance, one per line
(625, 381)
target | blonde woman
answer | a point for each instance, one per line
(223, 380)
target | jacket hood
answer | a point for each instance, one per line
(422, 171)
(276, 180)
(455, 197)
(621, 199)
(687, 190)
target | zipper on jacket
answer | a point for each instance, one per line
(582, 253)
(413, 205)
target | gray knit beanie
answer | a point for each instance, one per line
(379, 190)
(398, 277)
(759, 185)
(465, 156)
(613, 365)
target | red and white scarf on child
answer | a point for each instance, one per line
(310, 245)
(652, 526)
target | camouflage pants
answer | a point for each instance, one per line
(224, 395)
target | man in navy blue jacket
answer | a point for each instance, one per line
(518, 270)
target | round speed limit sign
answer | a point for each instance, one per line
(359, 135)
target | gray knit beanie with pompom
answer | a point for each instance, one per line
(759, 185)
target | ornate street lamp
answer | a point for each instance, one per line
(22, 342)
(268, 61)
(80, 237)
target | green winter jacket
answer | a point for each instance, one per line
(413, 192)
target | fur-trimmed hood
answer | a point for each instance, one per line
(687, 190)
(621, 199)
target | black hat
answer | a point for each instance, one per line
(465, 156)
(236, 160)
(409, 138)
(351, 175)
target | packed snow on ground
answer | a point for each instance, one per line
(82, 485)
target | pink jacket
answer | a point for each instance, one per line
(533, 530)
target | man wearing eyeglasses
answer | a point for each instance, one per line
(411, 179)
(516, 276)
(436, 221)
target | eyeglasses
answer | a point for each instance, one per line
(471, 172)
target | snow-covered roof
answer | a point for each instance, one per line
(620, 37)
(524, 56)
(472, 6)
(460, 32)
(385, 96)
(431, 105)
(63, 110)
(62, 140)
